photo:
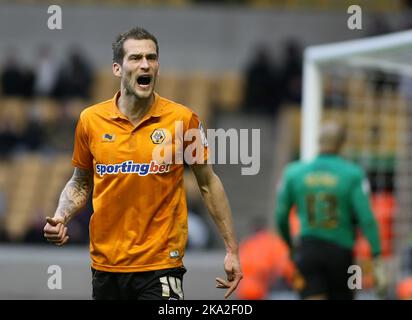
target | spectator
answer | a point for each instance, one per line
(404, 289)
(378, 26)
(381, 80)
(199, 235)
(45, 73)
(58, 137)
(12, 77)
(9, 139)
(74, 78)
(261, 84)
(291, 74)
(33, 135)
(28, 82)
(266, 264)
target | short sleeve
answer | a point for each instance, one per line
(195, 142)
(82, 157)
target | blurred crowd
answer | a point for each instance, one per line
(270, 84)
(45, 79)
(267, 85)
(70, 78)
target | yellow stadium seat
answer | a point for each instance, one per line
(15, 112)
(105, 85)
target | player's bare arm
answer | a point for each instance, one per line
(72, 199)
(217, 204)
(75, 194)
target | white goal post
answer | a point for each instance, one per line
(386, 53)
(367, 83)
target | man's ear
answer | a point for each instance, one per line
(117, 69)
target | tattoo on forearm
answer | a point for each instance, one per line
(75, 193)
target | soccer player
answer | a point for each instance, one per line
(331, 198)
(138, 231)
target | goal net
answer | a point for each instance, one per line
(366, 84)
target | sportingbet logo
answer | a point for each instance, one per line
(142, 169)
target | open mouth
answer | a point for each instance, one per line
(144, 80)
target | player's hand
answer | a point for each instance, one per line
(55, 231)
(233, 272)
(380, 278)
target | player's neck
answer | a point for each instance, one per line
(134, 108)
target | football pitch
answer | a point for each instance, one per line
(26, 271)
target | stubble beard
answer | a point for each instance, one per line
(131, 91)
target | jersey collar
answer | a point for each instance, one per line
(155, 110)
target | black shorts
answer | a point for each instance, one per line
(323, 267)
(165, 284)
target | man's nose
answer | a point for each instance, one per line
(144, 64)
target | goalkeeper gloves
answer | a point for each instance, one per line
(380, 277)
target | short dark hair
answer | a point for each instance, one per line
(136, 33)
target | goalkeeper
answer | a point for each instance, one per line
(331, 197)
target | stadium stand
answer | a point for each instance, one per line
(31, 180)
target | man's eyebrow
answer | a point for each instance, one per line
(154, 54)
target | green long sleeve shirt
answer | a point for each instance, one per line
(331, 197)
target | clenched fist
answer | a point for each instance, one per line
(55, 231)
